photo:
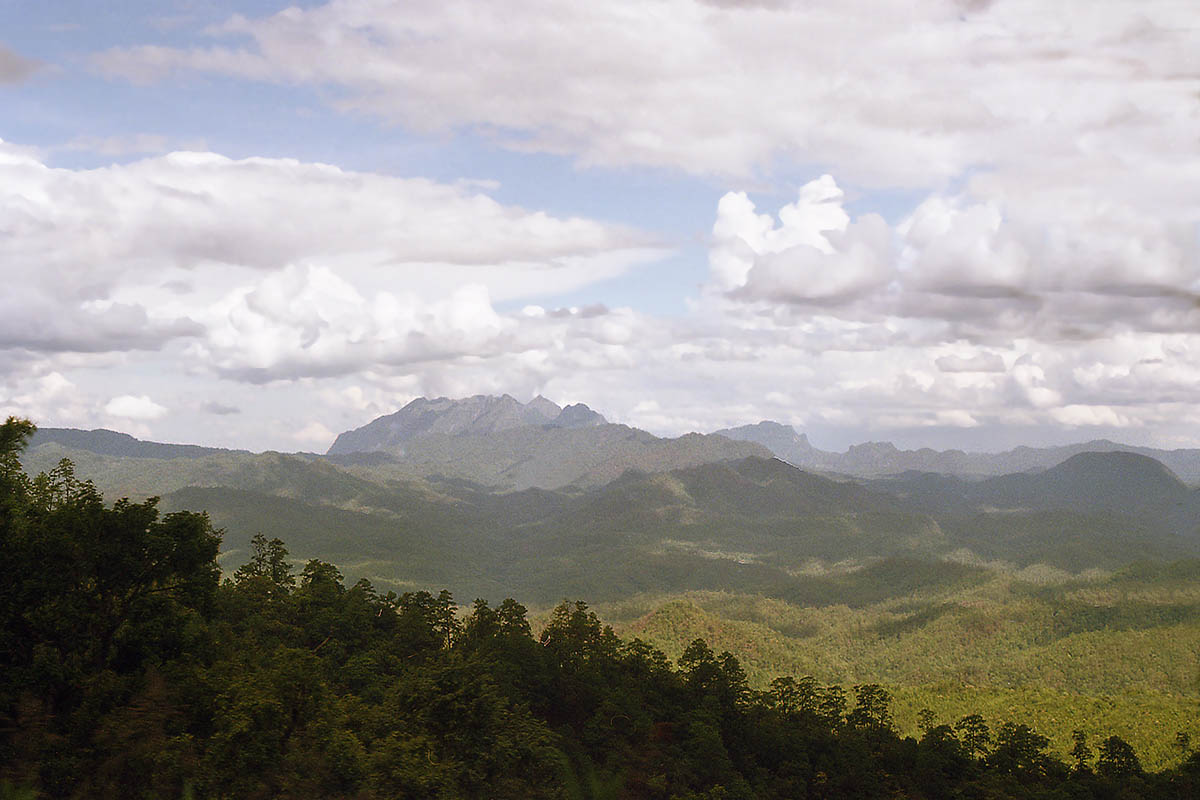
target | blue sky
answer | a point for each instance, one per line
(950, 223)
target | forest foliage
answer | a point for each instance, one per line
(130, 669)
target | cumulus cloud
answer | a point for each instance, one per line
(107, 259)
(314, 433)
(815, 255)
(1079, 415)
(1048, 278)
(1057, 145)
(962, 267)
(139, 407)
(309, 322)
(38, 392)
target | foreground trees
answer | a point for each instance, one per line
(128, 670)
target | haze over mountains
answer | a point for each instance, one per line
(496, 442)
(507, 445)
(884, 458)
(478, 415)
(958, 589)
(492, 496)
(444, 433)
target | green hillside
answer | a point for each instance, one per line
(1119, 653)
(1037, 610)
(755, 526)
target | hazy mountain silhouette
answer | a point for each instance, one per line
(113, 443)
(871, 459)
(503, 443)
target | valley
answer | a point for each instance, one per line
(1069, 595)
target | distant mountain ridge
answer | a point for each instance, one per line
(1119, 482)
(481, 414)
(504, 444)
(874, 459)
(113, 443)
(608, 510)
(500, 442)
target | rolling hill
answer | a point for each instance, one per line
(1003, 594)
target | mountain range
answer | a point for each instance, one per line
(1066, 587)
(491, 496)
(884, 458)
(508, 445)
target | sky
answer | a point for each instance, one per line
(946, 223)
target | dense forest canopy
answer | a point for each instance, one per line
(131, 669)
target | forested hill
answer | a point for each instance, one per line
(112, 443)
(1088, 482)
(753, 524)
(128, 669)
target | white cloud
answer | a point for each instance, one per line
(814, 255)
(36, 396)
(104, 259)
(963, 251)
(307, 321)
(314, 433)
(139, 407)
(1079, 416)
(956, 418)
(911, 92)
(960, 267)
(1049, 278)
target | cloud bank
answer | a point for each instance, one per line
(199, 246)
(1045, 278)
(981, 269)
(910, 93)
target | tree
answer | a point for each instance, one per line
(1080, 751)
(974, 734)
(97, 598)
(1020, 751)
(576, 636)
(1117, 759)
(268, 567)
(832, 706)
(120, 575)
(14, 437)
(872, 708)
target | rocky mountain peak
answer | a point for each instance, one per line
(578, 415)
(480, 414)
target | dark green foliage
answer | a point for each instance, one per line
(973, 732)
(100, 605)
(756, 526)
(1117, 759)
(128, 671)
(1021, 751)
(1080, 752)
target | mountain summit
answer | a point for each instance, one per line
(504, 444)
(481, 414)
(782, 440)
